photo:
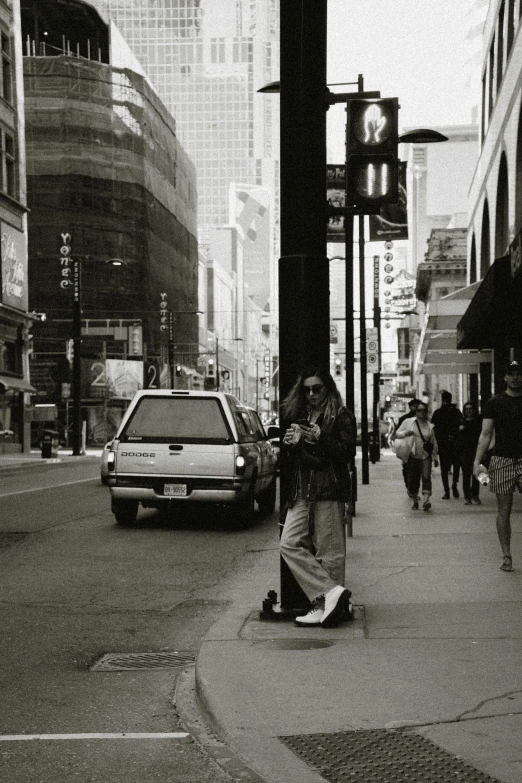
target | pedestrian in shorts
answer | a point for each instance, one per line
(503, 417)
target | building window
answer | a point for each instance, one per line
(500, 45)
(491, 76)
(510, 25)
(403, 344)
(8, 172)
(217, 50)
(7, 89)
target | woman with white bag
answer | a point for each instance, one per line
(422, 450)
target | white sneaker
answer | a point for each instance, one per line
(314, 617)
(336, 606)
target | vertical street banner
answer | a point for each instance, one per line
(14, 267)
(392, 221)
(336, 197)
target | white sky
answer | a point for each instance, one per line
(411, 49)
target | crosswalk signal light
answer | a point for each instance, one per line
(372, 153)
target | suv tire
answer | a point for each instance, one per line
(246, 508)
(267, 499)
(125, 511)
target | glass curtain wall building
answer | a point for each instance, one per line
(206, 60)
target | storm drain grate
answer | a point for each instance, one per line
(122, 662)
(381, 756)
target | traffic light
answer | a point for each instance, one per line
(210, 368)
(178, 370)
(338, 364)
(372, 138)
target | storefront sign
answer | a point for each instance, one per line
(14, 267)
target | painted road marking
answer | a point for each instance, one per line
(94, 735)
(52, 486)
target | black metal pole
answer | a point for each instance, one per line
(77, 360)
(171, 350)
(217, 363)
(376, 451)
(364, 368)
(304, 313)
(349, 330)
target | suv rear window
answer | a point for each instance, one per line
(178, 419)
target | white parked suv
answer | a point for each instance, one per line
(175, 447)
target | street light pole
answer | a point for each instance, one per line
(77, 360)
(171, 350)
(363, 364)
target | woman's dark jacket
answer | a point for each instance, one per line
(323, 466)
(467, 439)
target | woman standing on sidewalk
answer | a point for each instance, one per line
(320, 442)
(466, 447)
(424, 448)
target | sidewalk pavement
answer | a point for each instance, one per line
(34, 458)
(435, 650)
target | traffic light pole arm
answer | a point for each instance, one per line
(342, 97)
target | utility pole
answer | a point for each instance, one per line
(77, 360)
(304, 307)
(363, 364)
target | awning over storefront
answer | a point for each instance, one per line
(15, 384)
(488, 319)
(438, 354)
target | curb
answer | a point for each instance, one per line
(186, 704)
(274, 762)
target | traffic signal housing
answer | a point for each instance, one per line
(372, 153)
(338, 366)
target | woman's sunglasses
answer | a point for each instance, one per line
(313, 389)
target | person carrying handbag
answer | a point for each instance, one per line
(423, 453)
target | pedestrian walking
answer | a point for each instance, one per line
(465, 448)
(412, 404)
(503, 417)
(446, 421)
(321, 441)
(390, 435)
(423, 453)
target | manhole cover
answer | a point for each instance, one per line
(294, 644)
(381, 756)
(121, 662)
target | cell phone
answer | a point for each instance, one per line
(304, 424)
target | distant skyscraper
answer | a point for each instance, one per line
(207, 59)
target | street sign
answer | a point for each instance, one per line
(372, 349)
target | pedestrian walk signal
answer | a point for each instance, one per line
(372, 138)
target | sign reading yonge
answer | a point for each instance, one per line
(66, 262)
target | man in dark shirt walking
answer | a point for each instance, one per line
(447, 420)
(503, 416)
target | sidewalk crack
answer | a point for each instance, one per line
(393, 573)
(479, 706)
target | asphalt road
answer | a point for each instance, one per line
(74, 586)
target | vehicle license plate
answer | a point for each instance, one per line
(175, 490)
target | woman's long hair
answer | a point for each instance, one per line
(295, 403)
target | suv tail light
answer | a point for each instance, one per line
(240, 465)
(111, 460)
